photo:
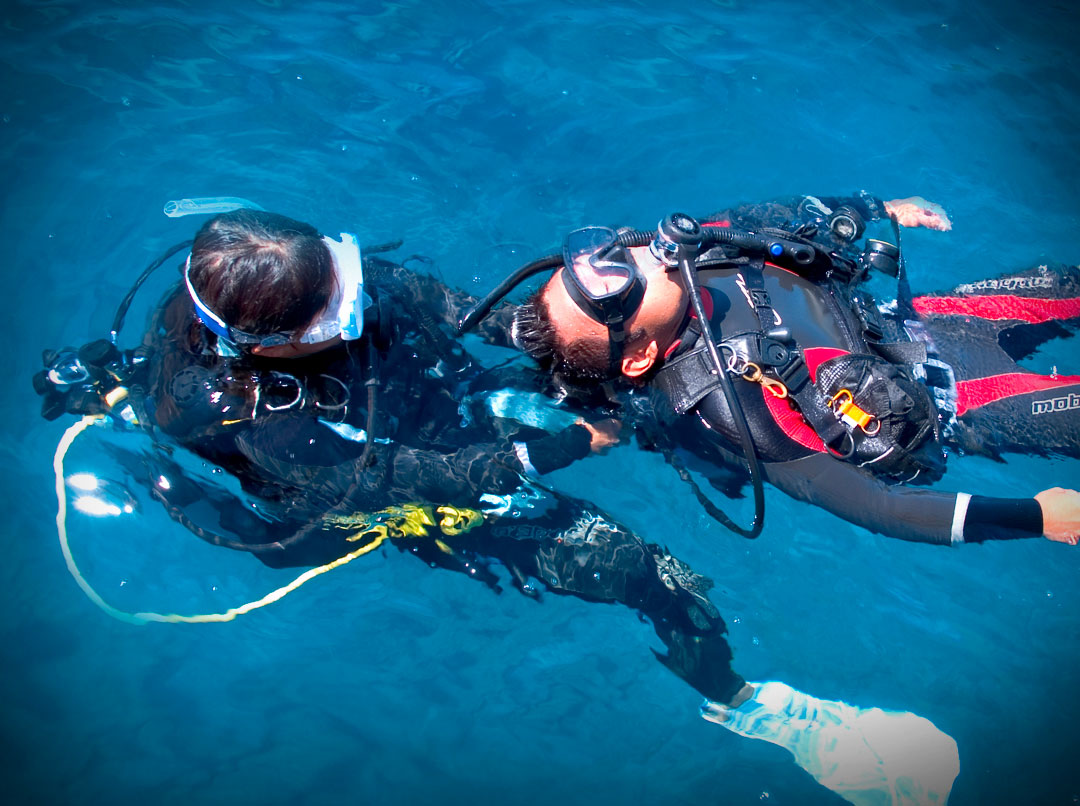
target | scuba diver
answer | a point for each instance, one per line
(327, 384)
(757, 323)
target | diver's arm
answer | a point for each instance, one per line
(305, 454)
(907, 513)
(487, 467)
(797, 209)
(449, 304)
(442, 303)
(913, 211)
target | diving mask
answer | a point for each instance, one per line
(343, 315)
(602, 279)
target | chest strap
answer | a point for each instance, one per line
(781, 353)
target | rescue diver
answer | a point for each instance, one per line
(325, 382)
(845, 407)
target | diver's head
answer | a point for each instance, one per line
(562, 326)
(274, 285)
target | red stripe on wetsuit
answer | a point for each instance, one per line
(972, 394)
(981, 391)
(998, 307)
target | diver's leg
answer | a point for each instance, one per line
(981, 330)
(575, 550)
(1048, 294)
(867, 756)
(1019, 412)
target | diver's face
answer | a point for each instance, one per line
(298, 348)
(661, 311)
(295, 349)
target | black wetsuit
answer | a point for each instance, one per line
(982, 330)
(975, 330)
(289, 431)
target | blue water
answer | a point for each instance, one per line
(479, 132)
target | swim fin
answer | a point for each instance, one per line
(868, 756)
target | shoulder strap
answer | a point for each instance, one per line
(688, 378)
(788, 361)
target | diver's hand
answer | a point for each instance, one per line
(602, 434)
(1061, 514)
(916, 211)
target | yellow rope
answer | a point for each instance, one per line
(409, 520)
(61, 520)
(270, 598)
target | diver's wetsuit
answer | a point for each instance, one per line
(981, 330)
(288, 430)
(993, 395)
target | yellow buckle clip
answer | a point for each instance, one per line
(843, 404)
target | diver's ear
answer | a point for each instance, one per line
(640, 361)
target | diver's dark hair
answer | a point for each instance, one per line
(262, 272)
(533, 332)
(584, 362)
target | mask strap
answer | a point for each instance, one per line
(349, 271)
(211, 320)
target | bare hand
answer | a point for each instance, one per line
(916, 211)
(1061, 514)
(602, 434)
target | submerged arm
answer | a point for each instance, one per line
(919, 514)
(444, 304)
(913, 211)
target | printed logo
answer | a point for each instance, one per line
(1065, 403)
(1005, 284)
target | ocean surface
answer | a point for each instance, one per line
(479, 133)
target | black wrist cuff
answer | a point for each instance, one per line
(559, 450)
(1002, 519)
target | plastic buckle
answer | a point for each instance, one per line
(843, 404)
(795, 373)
